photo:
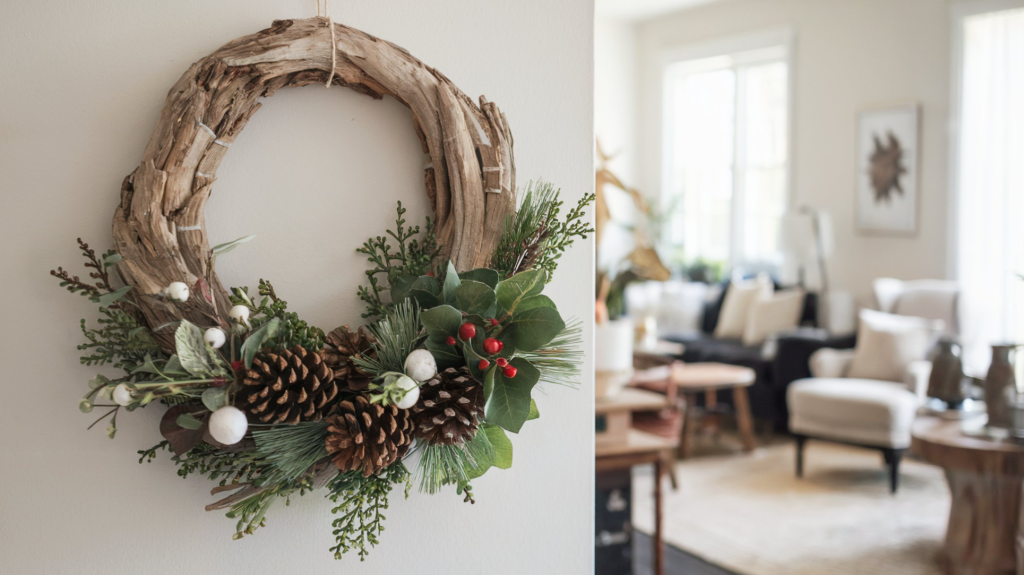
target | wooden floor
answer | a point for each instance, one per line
(677, 561)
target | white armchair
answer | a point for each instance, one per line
(869, 396)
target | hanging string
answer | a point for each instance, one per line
(321, 12)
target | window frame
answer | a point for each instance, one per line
(783, 38)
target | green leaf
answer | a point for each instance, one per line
(98, 381)
(534, 412)
(400, 288)
(485, 276)
(451, 283)
(193, 354)
(489, 383)
(509, 403)
(111, 259)
(501, 446)
(445, 355)
(519, 287)
(108, 299)
(472, 358)
(225, 248)
(425, 299)
(427, 284)
(535, 327)
(256, 339)
(215, 398)
(188, 421)
(111, 431)
(441, 321)
(173, 366)
(474, 297)
(535, 302)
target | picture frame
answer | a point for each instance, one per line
(888, 169)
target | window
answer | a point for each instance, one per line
(988, 178)
(726, 155)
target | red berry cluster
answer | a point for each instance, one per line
(467, 331)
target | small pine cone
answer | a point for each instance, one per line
(289, 387)
(367, 437)
(339, 347)
(450, 408)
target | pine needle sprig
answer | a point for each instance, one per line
(560, 360)
(397, 334)
(291, 450)
(442, 465)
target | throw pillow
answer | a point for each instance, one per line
(888, 343)
(770, 315)
(739, 299)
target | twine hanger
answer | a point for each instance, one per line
(322, 13)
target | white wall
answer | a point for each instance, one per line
(849, 54)
(315, 173)
(615, 92)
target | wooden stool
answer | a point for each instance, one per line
(708, 378)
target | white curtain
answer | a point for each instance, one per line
(990, 186)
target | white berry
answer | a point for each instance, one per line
(122, 395)
(412, 392)
(420, 365)
(228, 425)
(214, 337)
(240, 313)
(177, 291)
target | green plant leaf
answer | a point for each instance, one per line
(193, 354)
(509, 403)
(535, 302)
(111, 259)
(472, 359)
(534, 412)
(485, 276)
(98, 381)
(425, 299)
(400, 288)
(173, 366)
(227, 247)
(252, 344)
(427, 284)
(519, 287)
(109, 299)
(501, 446)
(442, 321)
(534, 327)
(188, 421)
(215, 398)
(474, 297)
(445, 355)
(451, 283)
(489, 384)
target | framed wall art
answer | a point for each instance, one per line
(888, 159)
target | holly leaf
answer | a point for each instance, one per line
(252, 344)
(451, 283)
(533, 328)
(519, 287)
(509, 403)
(485, 276)
(474, 297)
(441, 321)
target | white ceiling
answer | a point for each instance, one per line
(643, 9)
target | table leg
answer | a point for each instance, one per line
(659, 546)
(983, 524)
(743, 418)
(689, 412)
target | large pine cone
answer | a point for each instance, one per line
(289, 387)
(450, 407)
(339, 347)
(367, 437)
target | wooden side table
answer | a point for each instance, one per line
(641, 448)
(708, 378)
(984, 535)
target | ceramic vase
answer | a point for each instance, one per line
(1001, 387)
(946, 381)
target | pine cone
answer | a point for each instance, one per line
(450, 408)
(367, 437)
(339, 347)
(295, 385)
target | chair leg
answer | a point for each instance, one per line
(800, 441)
(894, 456)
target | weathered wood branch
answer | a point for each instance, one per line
(160, 224)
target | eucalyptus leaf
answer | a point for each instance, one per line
(535, 302)
(426, 299)
(441, 321)
(109, 299)
(474, 297)
(519, 287)
(227, 247)
(509, 403)
(427, 284)
(533, 328)
(451, 283)
(215, 398)
(485, 276)
(252, 344)
(188, 421)
(400, 288)
(111, 260)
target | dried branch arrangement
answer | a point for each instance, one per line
(270, 406)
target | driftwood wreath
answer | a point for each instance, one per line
(160, 225)
(271, 406)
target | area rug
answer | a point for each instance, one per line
(748, 512)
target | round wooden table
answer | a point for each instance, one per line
(985, 476)
(693, 378)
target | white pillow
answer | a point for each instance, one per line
(888, 343)
(739, 299)
(770, 315)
